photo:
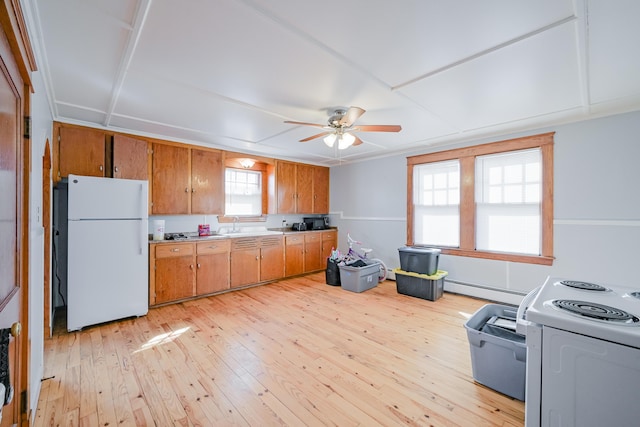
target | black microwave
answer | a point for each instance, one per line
(317, 223)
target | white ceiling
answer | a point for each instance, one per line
(227, 73)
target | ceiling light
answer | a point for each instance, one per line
(330, 139)
(345, 141)
(247, 163)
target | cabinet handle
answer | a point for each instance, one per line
(186, 189)
(193, 190)
(175, 250)
(191, 266)
(116, 169)
(212, 246)
(100, 168)
(198, 265)
(257, 258)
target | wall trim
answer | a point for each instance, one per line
(598, 222)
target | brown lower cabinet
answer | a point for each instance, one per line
(256, 259)
(183, 270)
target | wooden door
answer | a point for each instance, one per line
(286, 187)
(245, 261)
(271, 258)
(81, 152)
(212, 267)
(171, 192)
(320, 190)
(294, 254)
(304, 188)
(130, 158)
(207, 182)
(174, 272)
(313, 252)
(14, 199)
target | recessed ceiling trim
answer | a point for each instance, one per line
(138, 24)
(485, 52)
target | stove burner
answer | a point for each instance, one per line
(596, 311)
(583, 285)
(635, 294)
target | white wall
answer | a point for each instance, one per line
(596, 211)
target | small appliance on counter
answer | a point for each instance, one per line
(299, 226)
(317, 223)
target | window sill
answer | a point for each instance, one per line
(527, 259)
(223, 219)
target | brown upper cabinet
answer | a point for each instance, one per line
(81, 152)
(301, 188)
(93, 152)
(186, 181)
(130, 158)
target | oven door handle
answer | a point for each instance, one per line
(521, 322)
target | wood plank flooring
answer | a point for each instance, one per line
(296, 352)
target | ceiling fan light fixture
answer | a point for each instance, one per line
(330, 139)
(345, 141)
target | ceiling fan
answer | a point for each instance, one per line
(340, 127)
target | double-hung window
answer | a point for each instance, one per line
(490, 201)
(243, 192)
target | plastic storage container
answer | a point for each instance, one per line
(423, 286)
(359, 279)
(498, 353)
(419, 260)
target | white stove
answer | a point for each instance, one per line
(583, 353)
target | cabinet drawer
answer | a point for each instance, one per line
(213, 247)
(297, 239)
(312, 237)
(174, 250)
(329, 235)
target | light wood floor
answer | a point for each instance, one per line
(296, 352)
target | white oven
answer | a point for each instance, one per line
(583, 354)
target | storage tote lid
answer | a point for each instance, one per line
(419, 250)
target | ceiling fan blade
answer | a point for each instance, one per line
(357, 141)
(315, 136)
(378, 128)
(304, 124)
(351, 116)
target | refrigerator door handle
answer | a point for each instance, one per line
(143, 203)
(144, 238)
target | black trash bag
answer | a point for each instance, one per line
(332, 273)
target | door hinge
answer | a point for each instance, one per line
(23, 402)
(27, 127)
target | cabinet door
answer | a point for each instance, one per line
(81, 152)
(320, 190)
(313, 252)
(245, 261)
(329, 242)
(304, 188)
(286, 187)
(271, 258)
(212, 266)
(130, 158)
(212, 273)
(174, 272)
(170, 193)
(207, 182)
(294, 254)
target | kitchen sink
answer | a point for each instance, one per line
(246, 231)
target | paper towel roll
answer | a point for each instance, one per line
(158, 229)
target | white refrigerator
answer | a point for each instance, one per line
(108, 247)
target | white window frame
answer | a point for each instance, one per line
(468, 209)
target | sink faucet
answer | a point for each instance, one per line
(235, 221)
